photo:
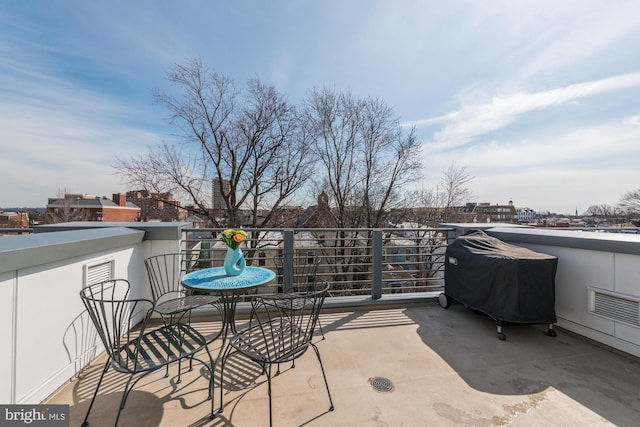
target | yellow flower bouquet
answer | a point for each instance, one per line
(233, 237)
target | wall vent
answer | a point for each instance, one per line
(98, 272)
(615, 306)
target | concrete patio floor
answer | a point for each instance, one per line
(447, 369)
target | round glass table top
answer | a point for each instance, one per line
(215, 279)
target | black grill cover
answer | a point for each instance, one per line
(509, 283)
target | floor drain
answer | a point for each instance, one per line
(381, 384)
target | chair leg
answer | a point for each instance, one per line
(225, 356)
(269, 391)
(166, 371)
(191, 358)
(127, 388)
(125, 394)
(179, 380)
(212, 372)
(331, 408)
(212, 415)
(95, 393)
(173, 319)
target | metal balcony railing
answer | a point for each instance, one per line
(353, 261)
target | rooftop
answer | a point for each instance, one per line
(447, 368)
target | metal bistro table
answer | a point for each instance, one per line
(215, 280)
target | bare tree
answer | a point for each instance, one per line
(630, 202)
(441, 204)
(605, 213)
(366, 156)
(425, 209)
(366, 159)
(432, 206)
(65, 208)
(454, 190)
(251, 140)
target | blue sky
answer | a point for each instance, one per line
(538, 99)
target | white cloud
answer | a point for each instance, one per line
(586, 145)
(475, 120)
(50, 150)
(557, 190)
(581, 35)
(568, 169)
(57, 135)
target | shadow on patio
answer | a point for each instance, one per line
(447, 368)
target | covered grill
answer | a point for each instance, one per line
(511, 284)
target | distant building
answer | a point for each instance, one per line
(159, 207)
(526, 215)
(417, 216)
(284, 216)
(484, 212)
(468, 208)
(14, 219)
(83, 207)
(217, 197)
(318, 216)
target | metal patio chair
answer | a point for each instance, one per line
(171, 300)
(138, 351)
(304, 278)
(275, 335)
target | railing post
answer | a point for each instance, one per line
(376, 264)
(287, 259)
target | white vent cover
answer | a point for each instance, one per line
(98, 272)
(615, 306)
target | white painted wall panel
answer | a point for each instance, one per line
(46, 292)
(627, 278)
(577, 270)
(6, 334)
(628, 333)
(51, 351)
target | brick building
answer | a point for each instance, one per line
(157, 206)
(318, 216)
(485, 212)
(83, 207)
(14, 219)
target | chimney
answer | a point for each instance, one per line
(120, 199)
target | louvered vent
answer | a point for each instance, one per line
(98, 272)
(622, 308)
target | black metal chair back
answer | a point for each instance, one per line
(133, 349)
(280, 332)
(164, 273)
(304, 278)
(114, 316)
(170, 298)
(304, 275)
